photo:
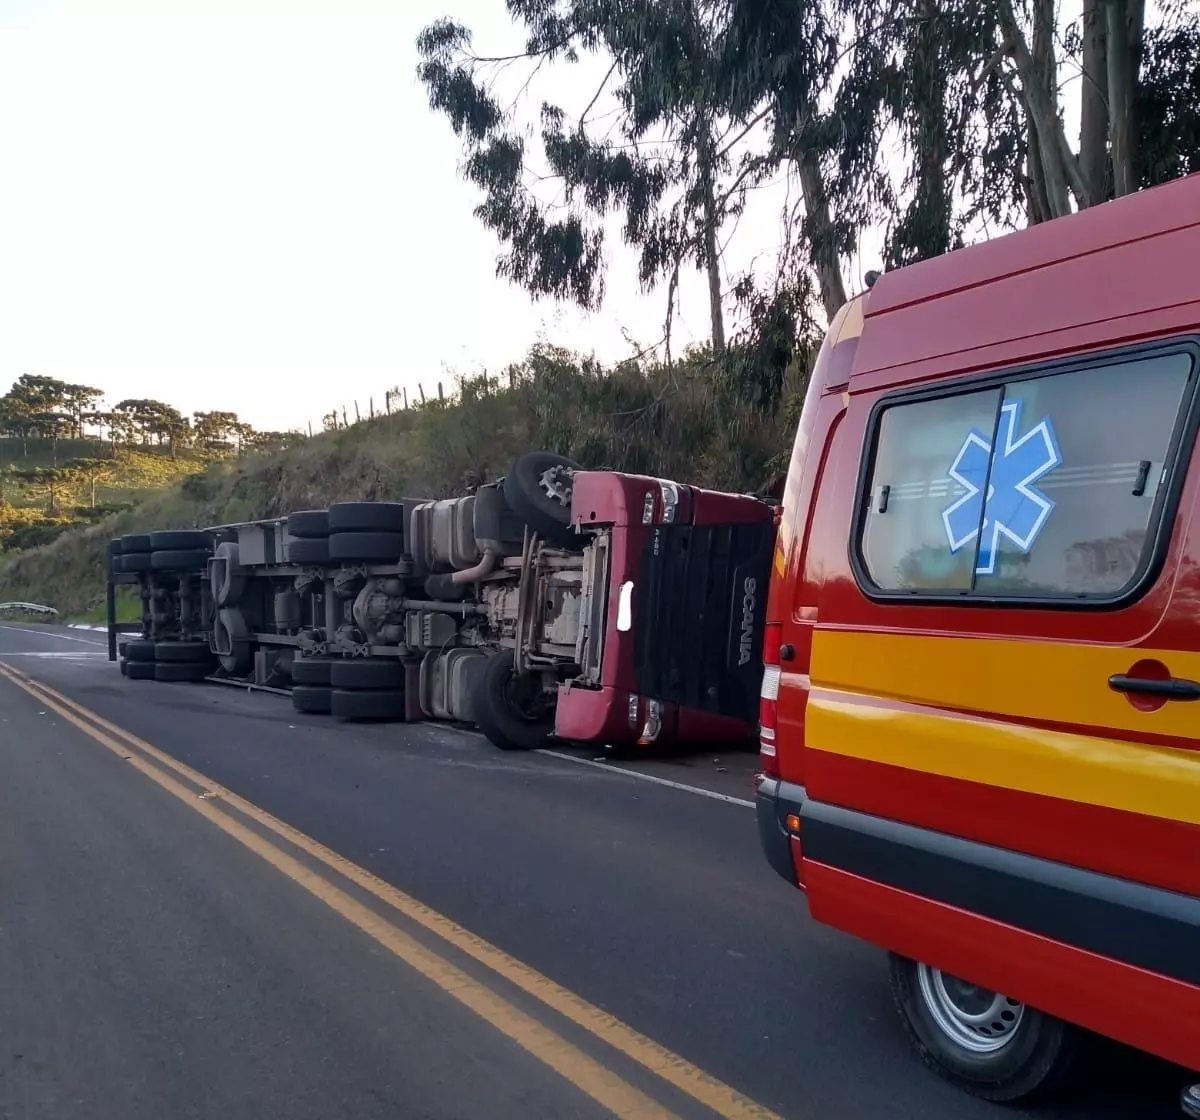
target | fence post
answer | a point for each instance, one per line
(405, 392)
(441, 395)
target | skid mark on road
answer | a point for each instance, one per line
(590, 1076)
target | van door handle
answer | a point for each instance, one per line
(1171, 689)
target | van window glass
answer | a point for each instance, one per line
(1079, 460)
(1045, 487)
(904, 539)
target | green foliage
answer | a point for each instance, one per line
(719, 422)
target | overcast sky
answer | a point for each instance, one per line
(248, 204)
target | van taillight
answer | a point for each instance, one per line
(768, 702)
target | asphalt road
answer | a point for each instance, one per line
(166, 951)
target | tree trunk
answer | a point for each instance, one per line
(712, 261)
(932, 203)
(1124, 21)
(1060, 165)
(822, 249)
(1037, 203)
(1093, 101)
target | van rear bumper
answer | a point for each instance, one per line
(774, 800)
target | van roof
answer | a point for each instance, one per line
(1113, 272)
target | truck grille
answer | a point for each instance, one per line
(698, 618)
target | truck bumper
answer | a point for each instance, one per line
(775, 800)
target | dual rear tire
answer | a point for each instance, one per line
(170, 662)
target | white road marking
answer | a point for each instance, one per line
(47, 634)
(698, 790)
(56, 653)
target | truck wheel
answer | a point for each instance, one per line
(308, 523)
(132, 562)
(538, 490)
(512, 713)
(311, 671)
(366, 673)
(183, 652)
(135, 542)
(181, 671)
(385, 548)
(179, 559)
(180, 540)
(124, 667)
(139, 649)
(364, 704)
(140, 670)
(308, 551)
(358, 517)
(986, 1044)
(312, 699)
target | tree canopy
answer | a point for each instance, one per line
(935, 121)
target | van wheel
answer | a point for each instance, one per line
(985, 1043)
(512, 712)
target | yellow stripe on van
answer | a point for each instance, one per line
(1060, 682)
(1154, 781)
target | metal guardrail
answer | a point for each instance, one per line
(27, 608)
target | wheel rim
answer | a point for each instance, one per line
(978, 1020)
(557, 483)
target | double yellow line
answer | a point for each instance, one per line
(215, 802)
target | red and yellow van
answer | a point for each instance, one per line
(979, 724)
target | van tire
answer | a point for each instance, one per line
(1035, 1059)
(498, 713)
(367, 704)
(523, 491)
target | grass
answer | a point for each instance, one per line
(689, 422)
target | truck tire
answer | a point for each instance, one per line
(366, 673)
(507, 713)
(135, 542)
(384, 548)
(358, 517)
(313, 699)
(140, 670)
(362, 704)
(179, 560)
(175, 671)
(124, 667)
(311, 671)
(132, 562)
(183, 652)
(139, 649)
(304, 550)
(308, 523)
(179, 540)
(1012, 1055)
(538, 490)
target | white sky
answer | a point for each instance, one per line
(248, 204)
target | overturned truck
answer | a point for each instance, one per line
(586, 606)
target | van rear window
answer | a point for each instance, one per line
(1047, 486)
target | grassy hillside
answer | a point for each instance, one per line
(690, 421)
(47, 488)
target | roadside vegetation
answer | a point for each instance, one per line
(722, 423)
